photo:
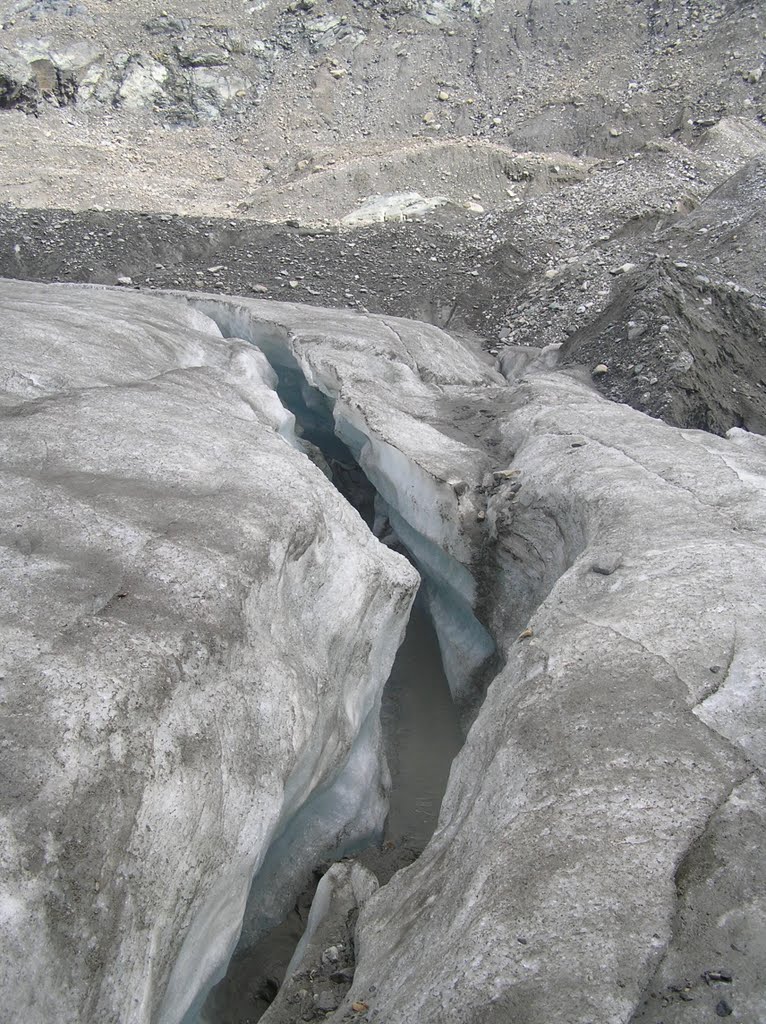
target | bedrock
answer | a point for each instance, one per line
(196, 629)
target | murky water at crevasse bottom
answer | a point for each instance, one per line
(421, 736)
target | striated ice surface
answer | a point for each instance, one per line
(196, 629)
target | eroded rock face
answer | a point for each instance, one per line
(196, 629)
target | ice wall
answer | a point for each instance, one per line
(195, 630)
(423, 509)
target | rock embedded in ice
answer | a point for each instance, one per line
(196, 629)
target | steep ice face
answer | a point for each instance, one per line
(414, 467)
(202, 627)
(424, 514)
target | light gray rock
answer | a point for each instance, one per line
(517, 360)
(143, 83)
(398, 206)
(195, 632)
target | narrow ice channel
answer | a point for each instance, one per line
(420, 723)
(422, 736)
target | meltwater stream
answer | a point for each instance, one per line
(421, 733)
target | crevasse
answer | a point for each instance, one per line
(422, 511)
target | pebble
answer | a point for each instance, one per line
(624, 269)
(326, 1000)
(125, 281)
(606, 564)
(600, 370)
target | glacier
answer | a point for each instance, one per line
(196, 632)
(197, 628)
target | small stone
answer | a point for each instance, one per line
(359, 1006)
(481, 515)
(443, 96)
(723, 1009)
(600, 370)
(260, 288)
(125, 281)
(713, 976)
(429, 117)
(615, 133)
(293, 284)
(526, 634)
(607, 563)
(624, 269)
(338, 72)
(326, 1000)
(683, 362)
(216, 270)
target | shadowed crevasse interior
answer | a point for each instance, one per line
(420, 722)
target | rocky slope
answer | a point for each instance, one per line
(521, 155)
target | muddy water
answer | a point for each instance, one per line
(421, 734)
